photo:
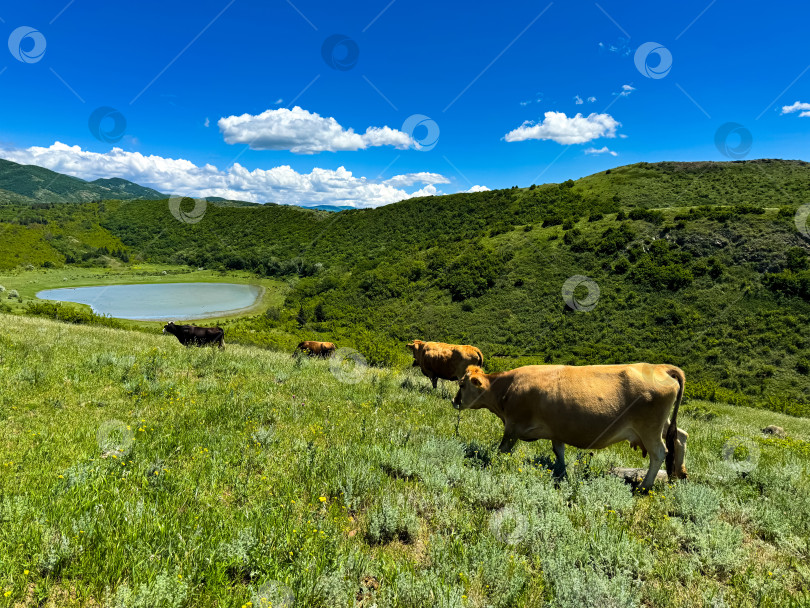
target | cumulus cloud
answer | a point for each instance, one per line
(602, 150)
(478, 189)
(304, 132)
(578, 100)
(178, 176)
(591, 99)
(802, 107)
(557, 127)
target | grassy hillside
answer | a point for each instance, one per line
(696, 264)
(135, 472)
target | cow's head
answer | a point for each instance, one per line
(415, 347)
(472, 392)
(168, 328)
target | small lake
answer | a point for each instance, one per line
(160, 301)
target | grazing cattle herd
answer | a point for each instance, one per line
(588, 407)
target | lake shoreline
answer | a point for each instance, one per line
(117, 309)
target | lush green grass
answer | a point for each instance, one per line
(135, 472)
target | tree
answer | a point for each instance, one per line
(301, 317)
(320, 315)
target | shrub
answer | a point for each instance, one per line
(694, 502)
(390, 520)
(797, 259)
(604, 493)
(165, 591)
(417, 591)
(648, 215)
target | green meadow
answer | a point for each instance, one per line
(137, 473)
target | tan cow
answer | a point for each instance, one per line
(315, 349)
(446, 361)
(589, 407)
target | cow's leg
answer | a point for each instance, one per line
(559, 463)
(508, 441)
(434, 380)
(658, 451)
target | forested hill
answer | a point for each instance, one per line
(29, 183)
(696, 264)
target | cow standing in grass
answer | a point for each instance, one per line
(315, 349)
(445, 361)
(191, 335)
(589, 407)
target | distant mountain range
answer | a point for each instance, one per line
(29, 183)
(33, 184)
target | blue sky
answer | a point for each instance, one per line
(483, 81)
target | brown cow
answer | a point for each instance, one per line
(315, 349)
(446, 361)
(589, 407)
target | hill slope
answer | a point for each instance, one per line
(696, 264)
(134, 471)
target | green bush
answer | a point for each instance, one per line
(391, 520)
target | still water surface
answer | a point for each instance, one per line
(159, 301)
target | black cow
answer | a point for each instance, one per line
(191, 335)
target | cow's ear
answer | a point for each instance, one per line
(476, 380)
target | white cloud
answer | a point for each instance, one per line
(280, 184)
(602, 150)
(279, 101)
(578, 100)
(591, 99)
(802, 107)
(477, 189)
(304, 132)
(558, 127)
(207, 122)
(626, 90)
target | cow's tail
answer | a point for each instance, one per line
(672, 431)
(480, 357)
(221, 337)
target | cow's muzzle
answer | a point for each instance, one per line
(456, 401)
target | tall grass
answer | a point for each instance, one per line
(136, 472)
